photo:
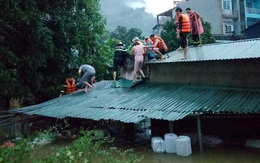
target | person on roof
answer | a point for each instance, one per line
(136, 39)
(120, 55)
(195, 25)
(138, 52)
(86, 74)
(70, 84)
(151, 50)
(160, 44)
(183, 30)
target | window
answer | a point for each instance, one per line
(227, 5)
(229, 29)
(249, 5)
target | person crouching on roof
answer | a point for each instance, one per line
(160, 44)
(70, 84)
(138, 51)
(120, 55)
(151, 50)
(86, 73)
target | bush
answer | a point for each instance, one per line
(85, 149)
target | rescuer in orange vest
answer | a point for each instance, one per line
(160, 44)
(151, 50)
(70, 85)
(183, 30)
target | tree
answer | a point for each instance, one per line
(126, 35)
(42, 41)
(169, 35)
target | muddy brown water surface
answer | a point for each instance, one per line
(230, 155)
(221, 154)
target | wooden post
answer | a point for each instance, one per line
(199, 133)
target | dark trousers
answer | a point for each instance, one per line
(183, 39)
(195, 38)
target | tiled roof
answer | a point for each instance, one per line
(151, 100)
(243, 49)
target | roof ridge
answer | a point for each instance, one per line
(235, 41)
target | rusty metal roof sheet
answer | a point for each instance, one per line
(151, 100)
(243, 49)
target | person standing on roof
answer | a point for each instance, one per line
(138, 52)
(196, 26)
(120, 55)
(86, 74)
(160, 44)
(183, 30)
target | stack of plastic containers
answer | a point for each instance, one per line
(172, 144)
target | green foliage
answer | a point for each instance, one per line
(6, 133)
(169, 35)
(207, 37)
(126, 35)
(85, 149)
(16, 154)
(103, 58)
(42, 41)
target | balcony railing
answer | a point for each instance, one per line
(253, 10)
(230, 13)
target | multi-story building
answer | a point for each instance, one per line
(252, 12)
(227, 17)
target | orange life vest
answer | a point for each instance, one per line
(161, 44)
(185, 23)
(71, 87)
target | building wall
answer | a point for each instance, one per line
(209, 10)
(242, 73)
(252, 12)
(223, 22)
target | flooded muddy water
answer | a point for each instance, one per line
(220, 155)
(223, 154)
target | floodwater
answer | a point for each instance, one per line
(222, 154)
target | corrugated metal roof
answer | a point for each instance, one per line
(151, 100)
(243, 49)
(125, 83)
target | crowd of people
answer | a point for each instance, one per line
(152, 47)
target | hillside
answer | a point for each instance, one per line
(117, 13)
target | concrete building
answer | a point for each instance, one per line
(227, 17)
(251, 12)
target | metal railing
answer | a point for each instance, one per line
(253, 10)
(230, 13)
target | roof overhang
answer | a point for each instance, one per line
(150, 100)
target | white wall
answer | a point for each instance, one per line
(210, 10)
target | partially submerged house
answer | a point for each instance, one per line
(217, 79)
